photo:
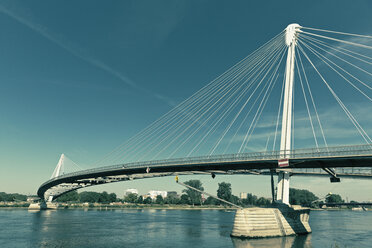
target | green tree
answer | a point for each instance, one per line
(159, 199)
(334, 198)
(112, 197)
(104, 197)
(72, 196)
(12, 197)
(19, 197)
(184, 199)
(301, 197)
(3, 196)
(194, 196)
(132, 198)
(224, 191)
(251, 200)
(171, 199)
(211, 201)
(234, 199)
(140, 199)
(87, 196)
(147, 200)
(92, 197)
(263, 202)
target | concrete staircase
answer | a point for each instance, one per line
(271, 222)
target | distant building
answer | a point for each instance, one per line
(154, 193)
(131, 191)
(243, 195)
(145, 196)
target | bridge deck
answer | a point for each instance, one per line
(350, 156)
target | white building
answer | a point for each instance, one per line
(154, 193)
(243, 195)
(131, 191)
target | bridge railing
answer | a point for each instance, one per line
(339, 151)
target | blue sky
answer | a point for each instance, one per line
(81, 77)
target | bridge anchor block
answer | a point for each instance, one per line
(279, 221)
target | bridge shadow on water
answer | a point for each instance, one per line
(300, 241)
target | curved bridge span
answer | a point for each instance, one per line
(226, 115)
(259, 163)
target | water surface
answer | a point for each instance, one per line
(168, 228)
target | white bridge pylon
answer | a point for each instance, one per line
(291, 35)
(59, 168)
(64, 165)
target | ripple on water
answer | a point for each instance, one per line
(168, 228)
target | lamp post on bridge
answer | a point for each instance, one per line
(291, 33)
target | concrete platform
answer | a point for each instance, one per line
(277, 221)
(37, 206)
(42, 206)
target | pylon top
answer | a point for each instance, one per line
(291, 33)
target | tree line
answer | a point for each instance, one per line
(188, 197)
(87, 196)
(12, 197)
(191, 197)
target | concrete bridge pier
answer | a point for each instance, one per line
(43, 205)
(38, 206)
(281, 219)
(277, 221)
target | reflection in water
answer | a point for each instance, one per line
(38, 224)
(279, 242)
(194, 227)
(224, 222)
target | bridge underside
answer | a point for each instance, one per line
(301, 166)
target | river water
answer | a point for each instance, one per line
(168, 228)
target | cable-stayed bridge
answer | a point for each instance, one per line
(312, 84)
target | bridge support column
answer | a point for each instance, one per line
(282, 195)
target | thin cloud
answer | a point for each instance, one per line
(337, 129)
(72, 49)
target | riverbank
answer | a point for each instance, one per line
(120, 205)
(143, 206)
(115, 206)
